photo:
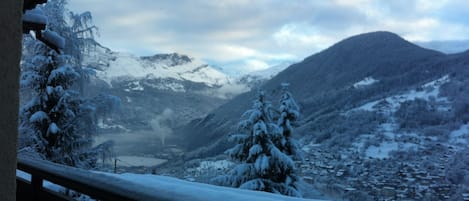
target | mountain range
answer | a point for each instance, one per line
(149, 85)
(377, 112)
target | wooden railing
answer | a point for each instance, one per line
(104, 186)
(96, 186)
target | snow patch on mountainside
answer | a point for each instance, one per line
(172, 86)
(365, 82)
(429, 90)
(390, 140)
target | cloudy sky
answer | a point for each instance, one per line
(254, 34)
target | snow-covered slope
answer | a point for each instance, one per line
(365, 82)
(427, 91)
(149, 85)
(256, 78)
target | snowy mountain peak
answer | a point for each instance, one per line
(256, 78)
(172, 59)
(273, 70)
(118, 66)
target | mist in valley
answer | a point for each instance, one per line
(142, 142)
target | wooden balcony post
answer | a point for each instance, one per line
(36, 183)
(10, 54)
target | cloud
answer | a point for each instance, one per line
(256, 65)
(237, 32)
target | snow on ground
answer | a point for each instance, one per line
(138, 161)
(218, 165)
(382, 151)
(391, 104)
(365, 82)
(437, 82)
(185, 190)
(307, 148)
(103, 125)
(430, 89)
(461, 135)
(134, 86)
(388, 130)
(390, 142)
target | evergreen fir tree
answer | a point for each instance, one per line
(289, 114)
(56, 118)
(263, 166)
(58, 122)
(79, 32)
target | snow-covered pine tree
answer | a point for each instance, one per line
(56, 118)
(79, 32)
(57, 122)
(262, 166)
(289, 114)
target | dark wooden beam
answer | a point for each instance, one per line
(31, 26)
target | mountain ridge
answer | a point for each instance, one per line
(321, 79)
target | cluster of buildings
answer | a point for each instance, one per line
(349, 173)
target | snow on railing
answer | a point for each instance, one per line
(97, 186)
(107, 186)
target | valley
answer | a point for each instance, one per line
(239, 100)
(378, 128)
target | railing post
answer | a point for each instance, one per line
(36, 183)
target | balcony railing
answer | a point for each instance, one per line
(97, 186)
(104, 186)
